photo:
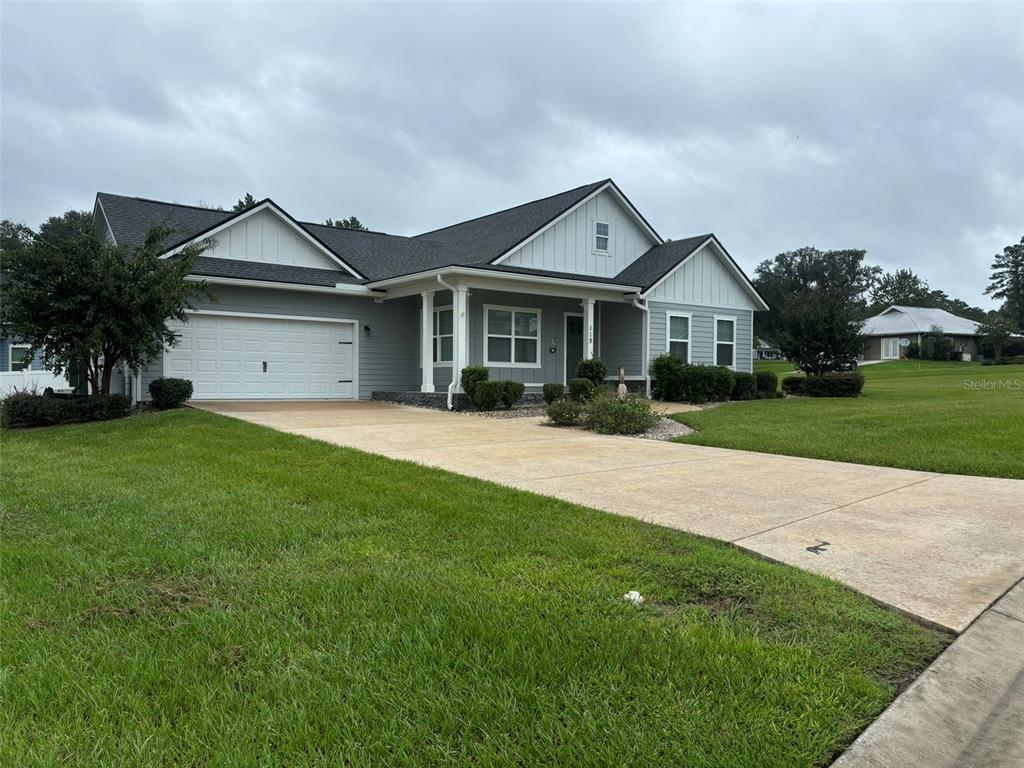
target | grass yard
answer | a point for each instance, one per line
(779, 367)
(963, 418)
(183, 589)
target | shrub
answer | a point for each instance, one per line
(471, 376)
(913, 350)
(675, 380)
(26, 409)
(581, 389)
(593, 369)
(767, 383)
(552, 392)
(487, 394)
(793, 385)
(565, 413)
(611, 416)
(169, 393)
(1012, 360)
(512, 392)
(667, 372)
(744, 386)
(834, 384)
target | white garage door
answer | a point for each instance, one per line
(255, 358)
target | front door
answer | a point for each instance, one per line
(891, 349)
(573, 345)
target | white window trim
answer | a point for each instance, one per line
(607, 251)
(438, 336)
(714, 350)
(487, 334)
(689, 333)
(10, 358)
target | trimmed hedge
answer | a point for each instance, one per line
(24, 409)
(835, 384)
(593, 369)
(744, 386)
(553, 392)
(793, 385)
(169, 393)
(471, 376)
(767, 383)
(581, 389)
(611, 416)
(512, 392)
(1011, 360)
(487, 394)
(677, 381)
(565, 412)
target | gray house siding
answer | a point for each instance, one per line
(621, 338)
(5, 356)
(702, 332)
(388, 352)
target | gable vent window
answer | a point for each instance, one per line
(601, 236)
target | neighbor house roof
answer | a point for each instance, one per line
(912, 320)
(378, 256)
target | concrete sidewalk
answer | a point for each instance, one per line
(940, 547)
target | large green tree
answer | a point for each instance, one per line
(1007, 282)
(350, 223)
(901, 287)
(840, 273)
(819, 330)
(244, 203)
(83, 303)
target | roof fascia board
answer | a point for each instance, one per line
(339, 288)
(268, 205)
(110, 229)
(622, 200)
(511, 276)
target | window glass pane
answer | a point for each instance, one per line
(723, 354)
(602, 244)
(679, 328)
(526, 350)
(499, 321)
(446, 349)
(526, 324)
(445, 323)
(726, 330)
(19, 359)
(602, 229)
(499, 350)
(679, 349)
(435, 323)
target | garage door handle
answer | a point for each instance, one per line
(264, 366)
(344, 381)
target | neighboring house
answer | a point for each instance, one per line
(766, 350)
(885, 331)
(305, 310)
(18, 371)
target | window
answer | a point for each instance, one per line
(444, 339)
(679, 336)
(725, 341)
(20, 359)
(601, 236)
(512, 337)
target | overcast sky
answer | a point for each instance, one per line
(899, 129)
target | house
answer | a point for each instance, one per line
(305, 310)
(890, 332)
(765, 349)
(18, 371)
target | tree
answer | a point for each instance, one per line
(901, 287)
(350, 223)
(81, 301)
(244, 203)
(1007, 282)
(61, 229)
(841, 274)
(995, 333)
(819, 330)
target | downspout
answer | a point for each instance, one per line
(455, 346)
(647, 342)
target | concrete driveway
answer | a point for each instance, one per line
(941, 547)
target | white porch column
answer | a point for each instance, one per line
(427, 342)
(460, 318)
(588, 328)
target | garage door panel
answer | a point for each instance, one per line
(224, 357)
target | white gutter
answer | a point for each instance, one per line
(359, 290)
(647, 342)
(455, 346)
(500, 275)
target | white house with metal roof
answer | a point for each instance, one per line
(889, 332)
(305, 310)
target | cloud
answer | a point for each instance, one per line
(891, 128)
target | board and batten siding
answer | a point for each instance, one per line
(388, 352)
(702, 332)
(264, 237)
(568, 245)
(703, 279)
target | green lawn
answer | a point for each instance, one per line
(186, 589)
(779, 367)
(942, 417)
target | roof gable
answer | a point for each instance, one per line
(902, 319)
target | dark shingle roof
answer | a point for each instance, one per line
(659, 261)
(207, 266)
(131, 217)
